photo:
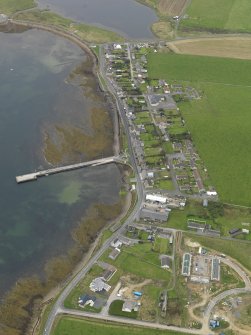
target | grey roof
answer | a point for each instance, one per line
(165, 261)
(107, 275)
(213, 232)
(215, 271)
(98, 285)
(197, 225)
(160, 216)
(129, 306)
(154, 99)
(186, 264)
(114, 254)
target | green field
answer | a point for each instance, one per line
(218, 16)
(141, 261)
(161, 245)
(74, 326)
(86, 32)
(12, 6)
(220, 122)
(217, 70)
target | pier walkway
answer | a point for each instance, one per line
(33, 176)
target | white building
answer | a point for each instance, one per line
(116, 243)
(211, 193)
(156, 198)
(117, 46)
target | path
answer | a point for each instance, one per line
(130, 321)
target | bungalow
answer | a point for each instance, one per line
(130, 306)
(98, 285)
(86, 299)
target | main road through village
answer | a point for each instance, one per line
(58, 307)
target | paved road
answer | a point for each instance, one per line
(220, 297)
(57, 308)
(225, 294)
(131, 321)
(113, 296)
(239, 270)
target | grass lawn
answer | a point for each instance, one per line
(116, 309)
(220, 122)
(82, 288)
(235, 218)
(141, 261)
(12, 6)
(161, 245)
(164, 184)
(193, 210)
(218, 16)
(241, 251)
(229, 277)
(86, 32)
(76, 326)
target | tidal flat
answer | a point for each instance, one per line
(36, 219)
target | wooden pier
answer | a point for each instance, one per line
(34, 176)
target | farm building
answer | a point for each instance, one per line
(199, 279)
(186, 264)
(215, 269)
(197, 225)
(156, 198)
(153, 215)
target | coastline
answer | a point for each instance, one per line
(115, 120)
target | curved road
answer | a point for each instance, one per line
(227, 293)
(57, 308)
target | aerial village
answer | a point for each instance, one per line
(163, 145)
(150, 271)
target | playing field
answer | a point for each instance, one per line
(218, 16)
(74, 326)
(220, 122)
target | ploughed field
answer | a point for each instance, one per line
(172, 7)
(220, 121)
(218, 16)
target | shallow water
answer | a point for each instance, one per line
(124, 16)
(36, 217)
